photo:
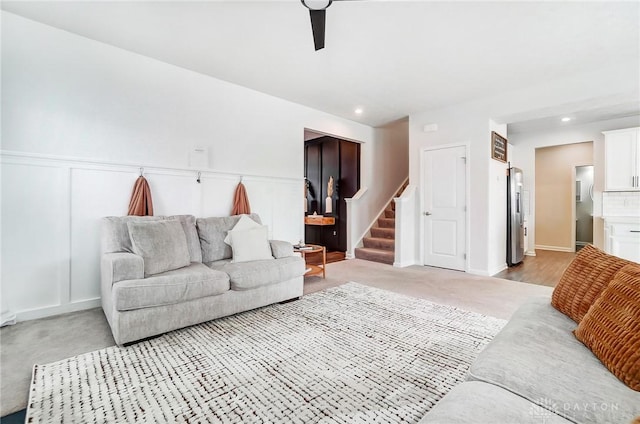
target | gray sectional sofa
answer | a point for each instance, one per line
(209, 286)
(535, 371)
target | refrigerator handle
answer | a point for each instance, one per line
(517, 202)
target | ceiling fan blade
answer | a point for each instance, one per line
(318, 18)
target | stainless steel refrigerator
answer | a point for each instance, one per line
(515, 217)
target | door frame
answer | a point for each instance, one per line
(574, 212)
(467, 215)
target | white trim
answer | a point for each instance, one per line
(15, 157)
(48, 311)
(620, 130)
(555, 248)
(481, 272)
(530, 253)
(358, 195)
(582, 243)
(498, 269)
(403, 264)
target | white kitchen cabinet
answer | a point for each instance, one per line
(622, 237)
(622, 160)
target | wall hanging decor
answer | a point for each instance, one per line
(141, 203)
(240, 201)
(498, 147)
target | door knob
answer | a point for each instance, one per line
(427, 213)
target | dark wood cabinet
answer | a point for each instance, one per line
(330, 157)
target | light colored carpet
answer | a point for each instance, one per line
(56, 338)
(347, 354)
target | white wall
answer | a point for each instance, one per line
(497, 231)
(454, 129)
(79, 117)
(526, 143)
(470, 123)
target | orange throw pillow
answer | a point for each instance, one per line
(611, 328)
(584, 280)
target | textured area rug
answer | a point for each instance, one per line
(347, 354)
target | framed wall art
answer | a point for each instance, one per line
(498, 147)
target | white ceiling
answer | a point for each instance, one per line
(392, 58)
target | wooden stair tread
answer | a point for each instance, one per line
(376, 255)
(379, 243)
(389, 233)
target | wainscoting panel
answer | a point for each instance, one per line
(35, 236)
(174, 194)
(51, 211)
(287, 211)
(217, 195)
(95, 193)
(262, 196)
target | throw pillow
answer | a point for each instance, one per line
(244, 223)
(584, 280)
(162, 245)
(250, 245)
(193, 242)
(611, 328)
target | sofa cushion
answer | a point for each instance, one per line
(162, 245)
(193, 242)
(192, 282)
(115, 233)
(611, 328)
(250, 245)
(584, 280)
(249, 275)
(212, 232)
(281, 249)
(476, 402)
(537, 357)
(244, 223)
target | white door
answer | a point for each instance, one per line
(444, 207)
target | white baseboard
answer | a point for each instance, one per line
(498, 269)
(582, 243)
(57, 310)
(403, 264)
(349, 255)
(555, 248)
(530, 253)
(481, 272)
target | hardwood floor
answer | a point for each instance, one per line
(545, 268)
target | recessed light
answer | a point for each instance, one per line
(566, 119)
(358, 111)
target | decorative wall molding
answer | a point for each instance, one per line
(10, 156)
(51, 210)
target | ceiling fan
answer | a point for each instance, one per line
(318, 13)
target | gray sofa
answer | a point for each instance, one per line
(535, 371)
(208, 287)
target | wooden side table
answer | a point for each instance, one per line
(314, 249)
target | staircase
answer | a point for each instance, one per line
(379, 244)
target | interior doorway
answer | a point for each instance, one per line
(583, 206)
(332, 174)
